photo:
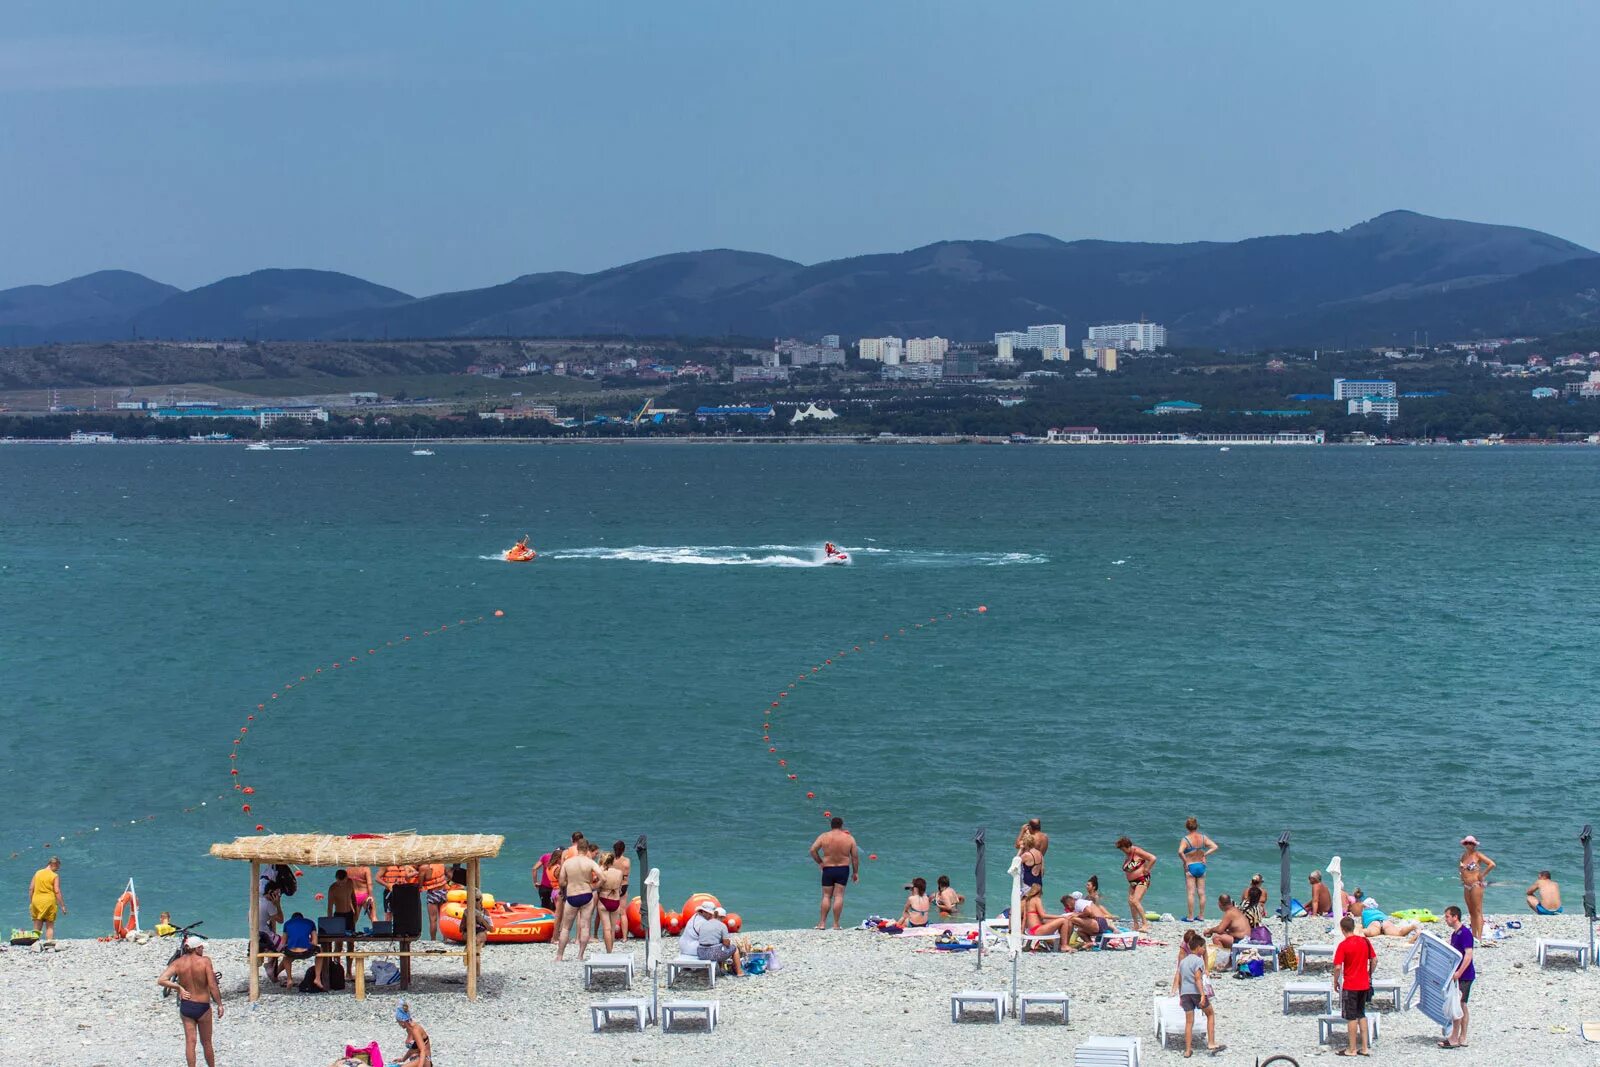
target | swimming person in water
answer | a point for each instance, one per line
(1194, 849)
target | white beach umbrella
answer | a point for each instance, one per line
(1336, 869)
(652, 941)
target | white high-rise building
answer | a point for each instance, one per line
(1055, 354)
(1355, 388)
(1002, 350)
(830, 340)
(1130, 336)
(1053, 335)
(889, 351)
(1018, 338)
(926, 349)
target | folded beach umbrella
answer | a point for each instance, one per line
(1336, 869)
(980, 892)
(1587, 837)
(652, 943)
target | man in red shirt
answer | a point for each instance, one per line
(1354, 962)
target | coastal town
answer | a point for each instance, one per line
(1122, 383)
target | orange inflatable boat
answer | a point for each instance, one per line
(513, 924)
(520, 552)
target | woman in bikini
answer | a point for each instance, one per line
(1194, 849)
(917, 905)
(365, 901)
(1091, 889)
(610, 890)
(947, 899)
(1136, 867)
(1036, 922)
(1474, 868)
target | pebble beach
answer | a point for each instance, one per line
(848, 997)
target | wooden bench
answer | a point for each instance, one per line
(359, 978)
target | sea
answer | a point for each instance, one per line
(1372, 650)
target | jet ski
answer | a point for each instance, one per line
(831, 553)
(520, 552)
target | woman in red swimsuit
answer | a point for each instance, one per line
(1136, 866)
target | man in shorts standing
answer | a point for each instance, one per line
(1354, 962)
(1461, 941)
(836, 853)
(196, 985)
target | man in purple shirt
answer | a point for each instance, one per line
(1461, 941)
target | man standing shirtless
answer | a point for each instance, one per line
(191, 975)
(836, 853)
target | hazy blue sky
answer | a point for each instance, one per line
(434, 146)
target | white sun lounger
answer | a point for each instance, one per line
(1042, 1000)
(1545, 946)
(1302, 952)
(1328, 1025)
(690, 963)
(671, 1009)
(1432, 960)
(1169, 1019)
(600, 1012)
(620, 962)
(1097, 1051)
(997, 1000)
(1265, 951)
(1308, 989)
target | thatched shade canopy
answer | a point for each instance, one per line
(331, 850)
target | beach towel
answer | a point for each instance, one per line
(367, 1054)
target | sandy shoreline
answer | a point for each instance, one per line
(849, 997)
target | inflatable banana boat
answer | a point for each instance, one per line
(512, 924)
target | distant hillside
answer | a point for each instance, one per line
(1370, 283)
(108, 297)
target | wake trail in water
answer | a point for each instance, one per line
(785, 556)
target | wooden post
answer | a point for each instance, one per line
(255, 924)
(469, 927)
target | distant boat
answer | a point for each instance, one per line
(1224, 448)
(422, 451)
(91, 437)
(258, 446)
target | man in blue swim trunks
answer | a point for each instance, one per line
(1544, 895)
(836, 853)
(191, 976)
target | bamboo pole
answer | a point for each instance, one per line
(470, 929)
(255, 925)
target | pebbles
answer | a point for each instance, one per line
(849, 998)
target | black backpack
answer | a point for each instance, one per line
(333, 974)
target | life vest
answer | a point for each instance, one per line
(127, 904)
(396, 875)
(433, 876)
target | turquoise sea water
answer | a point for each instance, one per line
(1379, 649)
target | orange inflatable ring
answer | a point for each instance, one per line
(127, 904)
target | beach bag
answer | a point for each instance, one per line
(1288, 959)
(385, 972)
(1452, 1002)
(1261, 935)
(367, 1054)
(334, 975)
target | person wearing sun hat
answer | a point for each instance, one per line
(1474, 868)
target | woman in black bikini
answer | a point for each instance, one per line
(1136, 867)
(419, 1047)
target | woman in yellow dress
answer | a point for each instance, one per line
(44, 898)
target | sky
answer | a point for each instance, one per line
(434, 147)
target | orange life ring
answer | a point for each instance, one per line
(129, 903)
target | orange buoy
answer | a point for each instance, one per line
(733, 922)
(246, 809)
(827, 815)
(811, 796)
(259, 828)
(982, 609)
(500, 615)
(872, 856)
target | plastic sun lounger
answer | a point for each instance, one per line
(1098, 1051)
(601, 1011)
(1544, 946)
(1309, 989)
(1334, 1023)
(621, 962)
(1266, 952)
(690, 963)
(1042, 1000)
(998, 1000)
(1433, 961)
(1169, 1019)
(671, 1009)
(1304, 951)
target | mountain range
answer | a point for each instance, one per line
(1375, 282)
